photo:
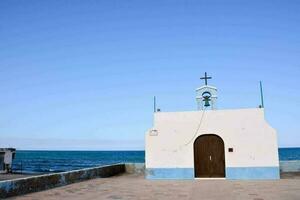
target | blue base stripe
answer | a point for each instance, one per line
(170, 173)
(234, 173)
(248, 173)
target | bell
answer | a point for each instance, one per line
(206, 102)
(206, 98)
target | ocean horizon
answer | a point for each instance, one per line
(46, 161)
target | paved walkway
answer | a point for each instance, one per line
(136, 187)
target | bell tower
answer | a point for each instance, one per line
(206, 95)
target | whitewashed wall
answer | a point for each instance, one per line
(253, 140)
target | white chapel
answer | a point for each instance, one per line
(211, 143)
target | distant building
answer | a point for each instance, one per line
(231, 144)
(6, 157)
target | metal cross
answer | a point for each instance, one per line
(205, 78)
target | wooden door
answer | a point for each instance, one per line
(209, 156)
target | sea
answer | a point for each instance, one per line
(59, 161)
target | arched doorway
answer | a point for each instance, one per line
(209, 157)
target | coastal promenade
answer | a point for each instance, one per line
(131, 186)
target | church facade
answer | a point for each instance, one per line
(230, 144)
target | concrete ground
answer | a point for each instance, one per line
(136, 187)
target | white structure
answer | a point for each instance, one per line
(211, 91)
(231, 144)
(6, 157)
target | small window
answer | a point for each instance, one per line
(230, 149)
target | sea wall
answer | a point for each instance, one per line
(135, 168)
(42, 182)
(290, 166)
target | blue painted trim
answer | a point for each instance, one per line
(250, 173)
(170, 173)
(234, 173)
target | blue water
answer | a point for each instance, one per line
(57, 161)
(289, 154)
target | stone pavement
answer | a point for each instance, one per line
(136, 187)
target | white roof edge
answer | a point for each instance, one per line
(206, 86)
(229, 109)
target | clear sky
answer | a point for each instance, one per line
(82, 74)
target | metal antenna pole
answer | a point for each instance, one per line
(261, 95)
(154, 104)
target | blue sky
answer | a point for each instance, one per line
(82, 74)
